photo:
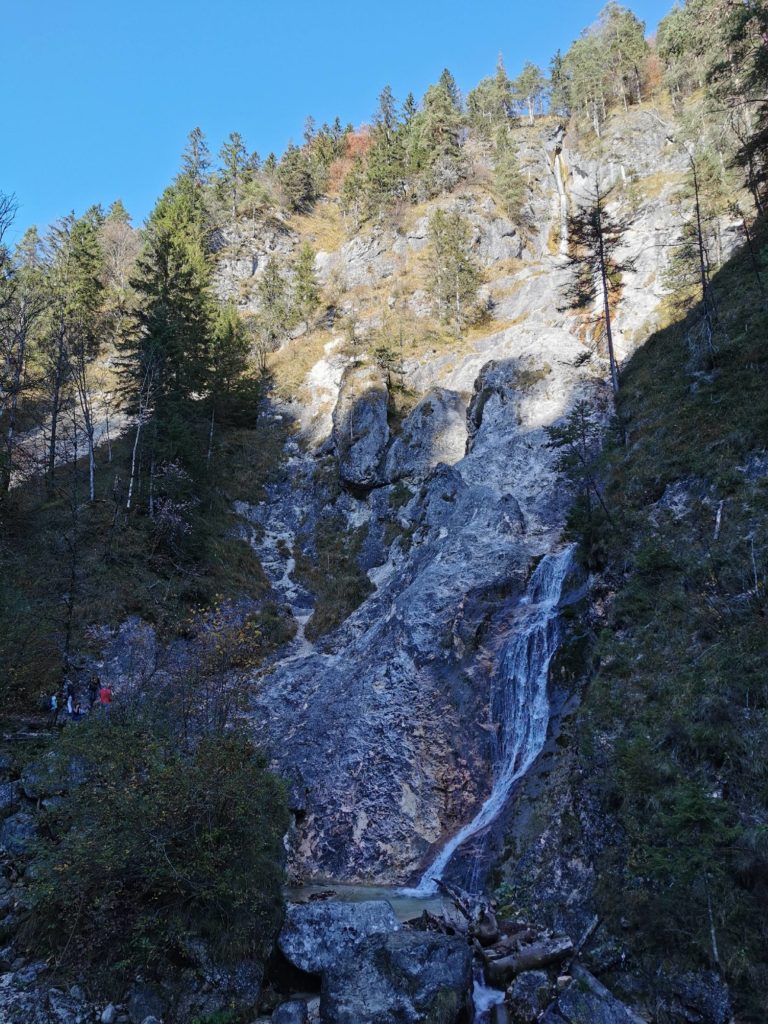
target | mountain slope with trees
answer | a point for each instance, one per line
(277, 467)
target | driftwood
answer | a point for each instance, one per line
(529, 958)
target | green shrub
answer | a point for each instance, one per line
(153, 844)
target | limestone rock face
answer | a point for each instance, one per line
(400, 978)
(360, 429)
(316, 935)
(382, 727)
(435, 431)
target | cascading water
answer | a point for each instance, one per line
(563, 200)
(518, 706)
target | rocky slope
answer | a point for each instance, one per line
(383, 726)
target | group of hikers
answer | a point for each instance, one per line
(66, 702)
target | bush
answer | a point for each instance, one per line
(153, 845)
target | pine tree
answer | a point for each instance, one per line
(234, 168)
(306, 291)
(23, 304)
(507, 178)
(353, 193)
(596, 236)
(490, 103)
(385, 167)
(434, 151)
(559, 90)
(196, 159)
(167, 355)
(73, 338)
(529, 87)
(294, 174)
(229, 360)
(275, 316)
(454, 274)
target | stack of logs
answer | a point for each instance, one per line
(504, 946)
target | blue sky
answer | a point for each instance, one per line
(100, 94)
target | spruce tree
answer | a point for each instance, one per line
(294, 173)
(507, 178)
(306, 291)
(595, 236)
(454, 275)
(385, 167)
(234, 168)
(196, 159)
(167, 354)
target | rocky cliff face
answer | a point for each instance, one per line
(382, 726)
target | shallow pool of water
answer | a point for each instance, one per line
(405, 907)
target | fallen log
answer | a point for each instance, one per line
(529, 958)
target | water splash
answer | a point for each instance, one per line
(518, 706)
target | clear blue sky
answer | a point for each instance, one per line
(99, 95)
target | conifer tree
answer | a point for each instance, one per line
(490, 103)
(454, 274)
(275, 316)
(294, 174)
(507, 178)
(385, 168)
(434, 152)
(196, 159)
(529, 88)
(559, 94)
(306, 291)
(595, 236)
(166, 356)
(23, 303)
(229, 358)
(353, 193)
(234, 168)
(72, 338)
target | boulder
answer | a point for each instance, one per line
(17, 832)
(527, 996)
(586, 1001)
(360, 428)
(316, 935)
(697, 998)
(109, 1014)
(292, 1012)
(143, 1002)
(400, 978)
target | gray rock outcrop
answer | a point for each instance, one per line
(400, 978)
(315, 935)
(360, 428)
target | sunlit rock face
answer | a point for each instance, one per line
(383, 727)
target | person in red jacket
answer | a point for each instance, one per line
(105, 697)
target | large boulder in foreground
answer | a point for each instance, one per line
(360, 428)
(316, 936)
(401, 978)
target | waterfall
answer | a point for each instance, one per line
(563, 199)
(518, 706)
